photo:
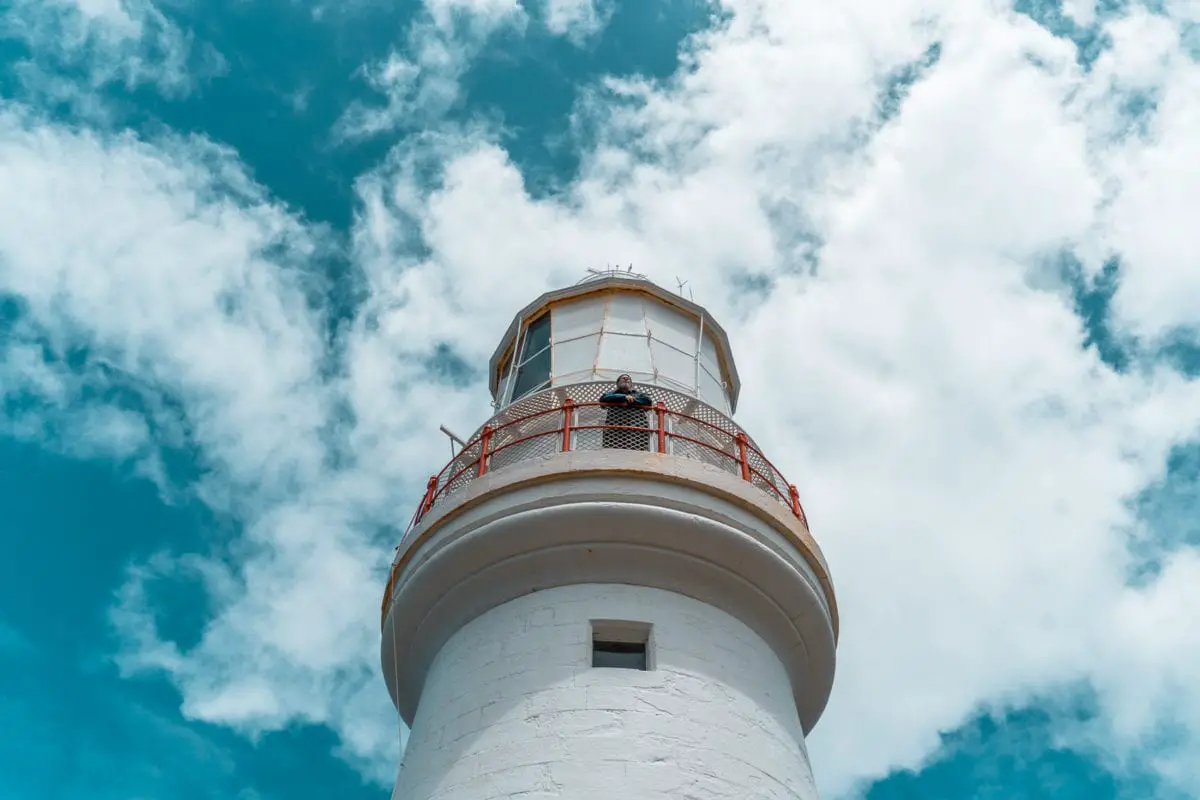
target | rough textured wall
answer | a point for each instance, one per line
(513, 708)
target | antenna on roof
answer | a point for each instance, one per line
(611, 271)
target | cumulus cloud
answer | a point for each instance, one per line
(1158, 172)
(162, 273)
(888, 187)
(180, 292)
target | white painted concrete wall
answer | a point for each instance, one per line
(513, 709)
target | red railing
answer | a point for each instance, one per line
(551, 422)
(590, 426)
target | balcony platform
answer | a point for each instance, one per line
(654, 519)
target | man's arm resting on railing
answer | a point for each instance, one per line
(628, 399)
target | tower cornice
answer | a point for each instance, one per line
(613, 516)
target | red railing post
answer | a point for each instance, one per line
(794, 498)
(427, 500)
(661, 408)
(743, 455)
(568, 409)
(485, 439)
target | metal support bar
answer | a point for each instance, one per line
(485, 439)
(743, 455)
(661, 409)
(452, 436)
(427, 500)
(568, 413)
(794, 498)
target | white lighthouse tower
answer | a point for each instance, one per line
(609, 600)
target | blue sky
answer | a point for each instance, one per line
(246, 246)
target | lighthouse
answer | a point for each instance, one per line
(610, 591)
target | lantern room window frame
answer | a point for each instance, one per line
(540, 359)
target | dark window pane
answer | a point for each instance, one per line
(537, 336)
(532, 374)
(620, 655)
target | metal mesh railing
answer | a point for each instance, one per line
(596, 426)
(573, 418)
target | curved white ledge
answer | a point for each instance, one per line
(622, 517)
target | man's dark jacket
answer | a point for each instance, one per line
(629, 413)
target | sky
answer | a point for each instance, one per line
(254, 252)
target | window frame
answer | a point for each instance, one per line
(539, 381)
(612, 636)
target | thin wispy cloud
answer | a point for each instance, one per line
(126, 42)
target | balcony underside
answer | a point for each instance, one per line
(629, 517)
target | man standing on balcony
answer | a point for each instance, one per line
(627, 409)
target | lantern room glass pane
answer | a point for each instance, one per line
(578, 318)
(676, 329)
(537, 336)
(625, 353)
(626, 314)
(710, 365)
(532, 374)
(567, 378)
(711, 390)
(708, 349)
(639, 378)
(576, 355)
(673, 364)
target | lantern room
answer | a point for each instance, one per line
(610, 324)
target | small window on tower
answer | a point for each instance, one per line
(620, 655)
(621, 645)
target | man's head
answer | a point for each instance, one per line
(625, 383)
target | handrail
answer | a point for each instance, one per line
(665, 431)
(565, 432)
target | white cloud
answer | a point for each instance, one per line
(1159, 175)
(1081, 12)
(965, 462)
(163, 275)
(484, 16)
(1183, 10)
(189, 290)
(578, 20)
(420, 82)
(127, 42)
